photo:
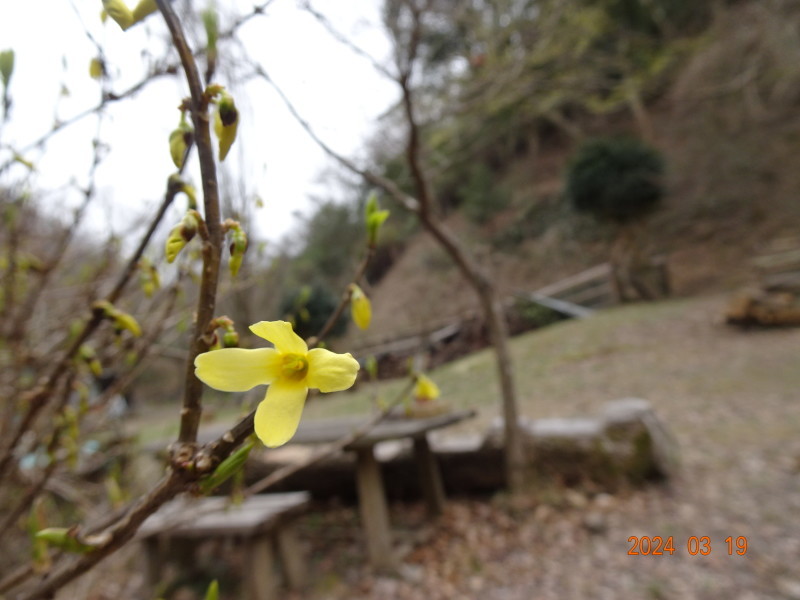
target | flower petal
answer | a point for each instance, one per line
(331, 372)
(237, 369)
(426, 389)
(278, 415)
(282, 335)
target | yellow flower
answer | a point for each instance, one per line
(360, 307)
(425, 390)
(289, 369)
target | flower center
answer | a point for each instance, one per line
(294, 366)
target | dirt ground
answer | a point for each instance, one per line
(732, 400)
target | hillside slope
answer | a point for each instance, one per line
(730, 132)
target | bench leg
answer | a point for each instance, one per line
(430, 477)
(260, 581)
(153, 563)
(291, 555)
(374, 512)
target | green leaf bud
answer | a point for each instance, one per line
(226, 469)
(211, 24)
(64, 539)
(6, 66)
(374, 222)
(230, 339)
(212, 593)
(371, 206)
(371, 367)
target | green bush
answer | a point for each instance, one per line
(615, 178)
(309, 309)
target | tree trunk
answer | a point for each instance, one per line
(498, 332)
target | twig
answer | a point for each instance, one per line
(37, 398)
(212, 248)
(345, 299)
(323, 20)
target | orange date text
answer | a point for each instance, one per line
(694, 546)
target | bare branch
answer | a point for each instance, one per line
(212, 247)
(37, 398)
(323, 20)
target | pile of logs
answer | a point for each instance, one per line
(776, 301)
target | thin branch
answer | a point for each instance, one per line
(37, 398)
(212, 248)
(109, 98)
(112, 538)
(345, 299)
(390, 187)
(323, 20)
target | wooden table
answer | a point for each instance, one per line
(263, 523)
(371, 493)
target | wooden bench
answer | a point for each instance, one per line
(262, 524)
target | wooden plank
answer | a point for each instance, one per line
(374, 512)
(562, 306)
(582, 278)
(601, 293)
(207, 517)
(323, 431)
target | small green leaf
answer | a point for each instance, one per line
(212, 593)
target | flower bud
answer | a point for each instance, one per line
(360, 307)
(180, 140)
(180, 235)
(125, 322)
(226, 122)
(238, 247)
(191, 193)
(120, 12)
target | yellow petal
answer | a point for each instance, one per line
(425, 389)
(237, 369)
(282, 335)
(278, 415)
(331, 372)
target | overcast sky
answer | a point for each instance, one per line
(339, 92)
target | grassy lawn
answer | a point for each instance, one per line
(550, 364)
(675, 353)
